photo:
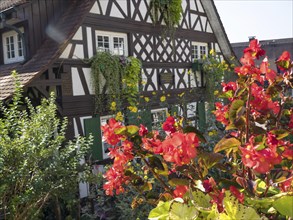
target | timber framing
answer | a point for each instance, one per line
(62, 36)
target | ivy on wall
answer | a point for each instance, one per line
(170, 10)
(115, 79)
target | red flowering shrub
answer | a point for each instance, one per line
(254, 159)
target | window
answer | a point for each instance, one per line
(158, 118)
(198, 50)
(105, 145)
(12, 47)
(113, 42)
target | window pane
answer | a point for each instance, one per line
(19, 44)
(202, 51)
(102, 43)
(194, 52)
(118, 46)
(158, 118)
(11, 42)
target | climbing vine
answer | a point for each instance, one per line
(214, 70)
(170, 10)
(115, 78)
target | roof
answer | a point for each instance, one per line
(219, 30)
(48, 52)
(5, 4)
(273, 47)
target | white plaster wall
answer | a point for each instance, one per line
(181, 71)
(76, 82)
(78, 52)
(95, 9)
(88, 79)
(65, 53)
(78, 34)
(89, 41)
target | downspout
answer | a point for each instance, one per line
(22, 35)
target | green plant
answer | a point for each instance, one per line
(170, 10)
(256, 154)
(37, 166)
(115, 79)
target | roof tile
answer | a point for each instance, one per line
(4, 4)
(47, 53)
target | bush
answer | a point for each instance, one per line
(36, 165)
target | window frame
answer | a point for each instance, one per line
(155, 123)
(17, 46)
(112, 36)
(198, 46)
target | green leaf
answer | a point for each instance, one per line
(236, 106)
(132, 129)
(121, 130)
(181, 211)
(214, 214)
(284, 205)
(279, 175)
(161, 212)
(209, 159)
(280, 133)
(261, 187)
(178, 182)
(158, 165)
(234, 210)
(201, 200)
(227, 143)
(147, 186)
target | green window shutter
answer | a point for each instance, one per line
(201, 116)
(93, 126)
(142, 117)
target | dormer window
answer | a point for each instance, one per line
(12, 47)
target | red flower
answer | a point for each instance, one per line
(180, 148)
(207, 185)
(109, 131)
(127, 145)
(221, 113)
(180, 191)
(229, 86)
(153, 144)
(288, 153)
(237, 194)
(287, 185)
(218, 197)
(142, 130)
(261, 161)
(169, 125)
(284, 61)
(255, 49)
(115, 180)
(269, 73)
(247, 59)
(262, 102)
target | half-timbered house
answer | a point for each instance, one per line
(48, 41)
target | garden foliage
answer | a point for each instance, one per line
(37, 166)
(254, 158)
